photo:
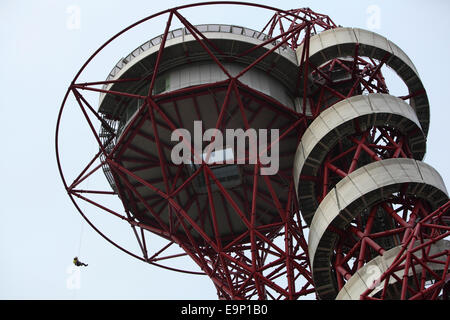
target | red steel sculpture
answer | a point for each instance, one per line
(352, 213)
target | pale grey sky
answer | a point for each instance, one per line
(40, 228)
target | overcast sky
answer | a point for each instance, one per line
(42, 48)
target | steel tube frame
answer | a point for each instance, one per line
(251, 264)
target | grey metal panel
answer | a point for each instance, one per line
(362, 279)
(209, 72)
(337, 122)
(374, 182)
(341, 42)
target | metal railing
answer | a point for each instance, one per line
(181, 32)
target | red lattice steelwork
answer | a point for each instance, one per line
(265, 259)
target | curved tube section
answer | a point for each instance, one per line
(361, 280)
(361, 189)
(342, 42)
(339, 121)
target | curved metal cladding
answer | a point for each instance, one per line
(190, 86)
(356, 286)
(359, 176)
